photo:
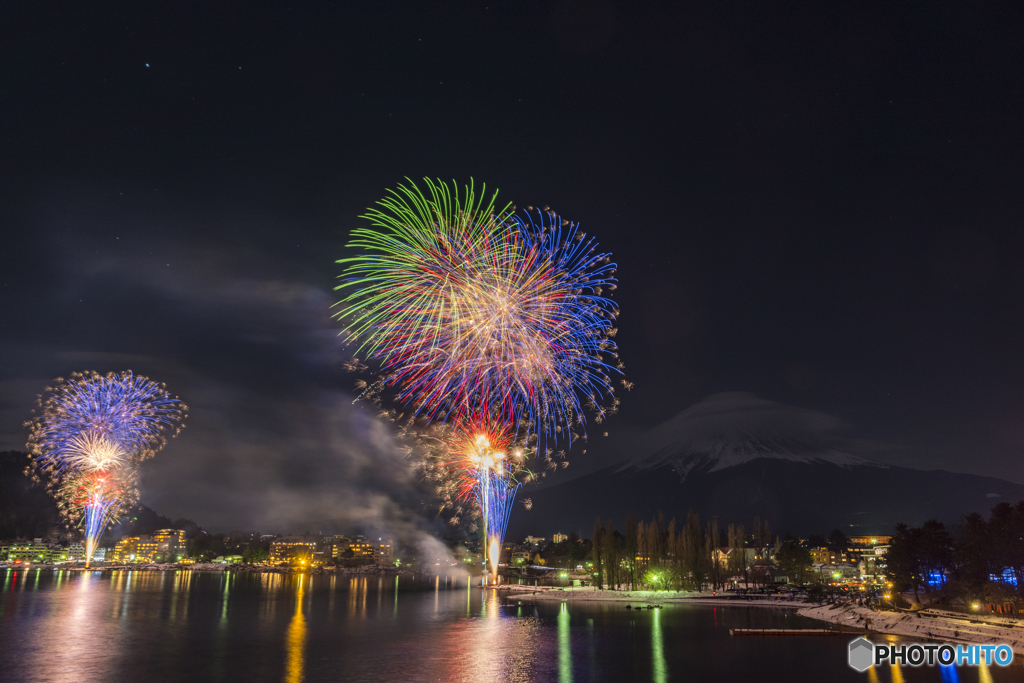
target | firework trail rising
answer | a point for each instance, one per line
(488, 465)
(91, 432)
(92, 499)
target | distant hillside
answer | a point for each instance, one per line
(28, 511)
(796, 497)
(732, 456)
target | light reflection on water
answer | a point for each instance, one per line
(564, 646)
(659, 668)
(170, 626)
(297, 636)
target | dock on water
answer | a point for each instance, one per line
(785, 632)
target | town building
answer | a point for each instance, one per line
(872, 561)
(292, 548)
(76, 552)
(25, 551)
(134, 550)
(171, 545)
(166, 545)
(520, 558)
(725, 555)
(871, 540)
(535, 541)
(146, 550)
(827, 556)
(124, 550)
(380, 551)
(559, 537)
(836, 573)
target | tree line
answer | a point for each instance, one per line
(669, 556)
(980, 559)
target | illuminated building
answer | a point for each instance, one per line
(558, 538)
(24, 551)
(288, 549)
(76, 552)
(134, 549)
(124, 550)
(836, 573)
(826, 556)
(166, 545)
(146, 551)
(55, 555)
(379, 551)
(870, 540)
(873, 563)
(535, 541)
(170, 544)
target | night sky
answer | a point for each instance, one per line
(819, 205)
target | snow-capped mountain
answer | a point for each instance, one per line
(733, 428)
(736, 456)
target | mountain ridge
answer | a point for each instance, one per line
(800, 498)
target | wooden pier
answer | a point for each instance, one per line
(785, 632)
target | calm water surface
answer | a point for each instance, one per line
(152, 627)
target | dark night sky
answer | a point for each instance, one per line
(821, 205)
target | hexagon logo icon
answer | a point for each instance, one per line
(861, 654)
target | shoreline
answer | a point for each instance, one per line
(925, 625)
(591, 594)
(922, 625)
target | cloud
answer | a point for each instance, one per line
(273, 442)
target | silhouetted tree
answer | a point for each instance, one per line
(793, 559)
(631, 550)
(838, 541)
(596, 553)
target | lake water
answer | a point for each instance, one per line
(151, 627)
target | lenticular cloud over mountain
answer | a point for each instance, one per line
(733, 428)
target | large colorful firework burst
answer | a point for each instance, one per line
(120, 413)
(492, 326)
(466, 306)
(91, 432)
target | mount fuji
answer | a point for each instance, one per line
(734, 456)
